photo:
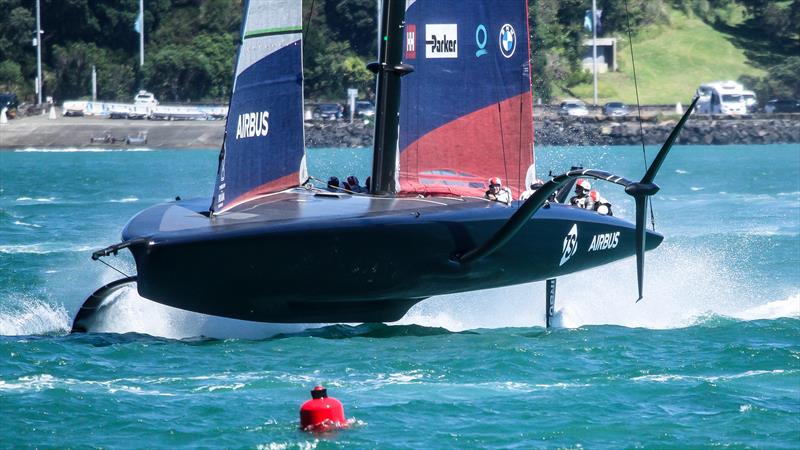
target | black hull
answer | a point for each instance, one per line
(286, 259)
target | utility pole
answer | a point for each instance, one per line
(141, 33)
(594, 48)
(94, 83)
(38, 41)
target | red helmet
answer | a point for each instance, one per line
(495, 181)
(583, 184)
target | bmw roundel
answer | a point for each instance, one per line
(508, 40)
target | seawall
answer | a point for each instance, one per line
(67, 132)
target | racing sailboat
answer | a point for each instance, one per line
(453, 109)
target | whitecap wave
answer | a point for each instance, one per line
(124, 200)
(681, 171)
(37, 199)
(41, 382)
(25, 224)
(44, 248)
(666, 378)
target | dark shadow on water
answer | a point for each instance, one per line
(372, 330)
(368, 330)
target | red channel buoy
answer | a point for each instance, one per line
(322, 413)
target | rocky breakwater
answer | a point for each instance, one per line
(708, 130)
(338, 134)
(600, 130)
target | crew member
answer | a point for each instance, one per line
(533, 188)
(352, 185)
(600, 204)
(497, 192)
(333, 184)
(581, 198)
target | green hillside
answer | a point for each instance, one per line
(672, 59)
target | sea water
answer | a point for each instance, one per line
(710, 357)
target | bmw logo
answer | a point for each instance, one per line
(508, 40)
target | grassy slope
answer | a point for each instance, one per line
(671, 62)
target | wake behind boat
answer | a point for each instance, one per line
(273, 247)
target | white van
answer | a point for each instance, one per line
(144, 98)
(721, 97)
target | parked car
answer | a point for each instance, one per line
(615, 109)
(573, 108)
(750, 100)
(328, 111)
(782, 106)
(9, 100)
(364, 109)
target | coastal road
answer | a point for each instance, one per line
(42, 132)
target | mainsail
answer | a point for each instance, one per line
(466, 111)
(263, 148)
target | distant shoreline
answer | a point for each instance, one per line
(77, 132)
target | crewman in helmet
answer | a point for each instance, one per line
(600, 204)
(352, 185)
(581, 198)
(333, 184)
(533, 188)
(497, 192)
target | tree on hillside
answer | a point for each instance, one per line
(72, 67)
(16, 33)
(176, 73)
(782, 81)
(354, 21)
(776, 20)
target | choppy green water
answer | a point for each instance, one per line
(711, 357)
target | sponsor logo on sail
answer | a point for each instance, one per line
(508, 40)
(481, 36)
(570, 245)
(604, 241)
(441, 40)
(254, 124)
(411, 42)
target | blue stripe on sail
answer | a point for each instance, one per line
(264, 132)
(481, 70)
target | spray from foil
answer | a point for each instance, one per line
(682, 287)
(129, 313)
(30, 316)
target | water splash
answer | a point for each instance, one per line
(682, 287)
(128, 312)
(33, 317)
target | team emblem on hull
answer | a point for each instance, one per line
(570, 245)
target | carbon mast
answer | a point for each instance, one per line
(389, 68)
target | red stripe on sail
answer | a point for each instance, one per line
(495, 141)
(282, 183)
